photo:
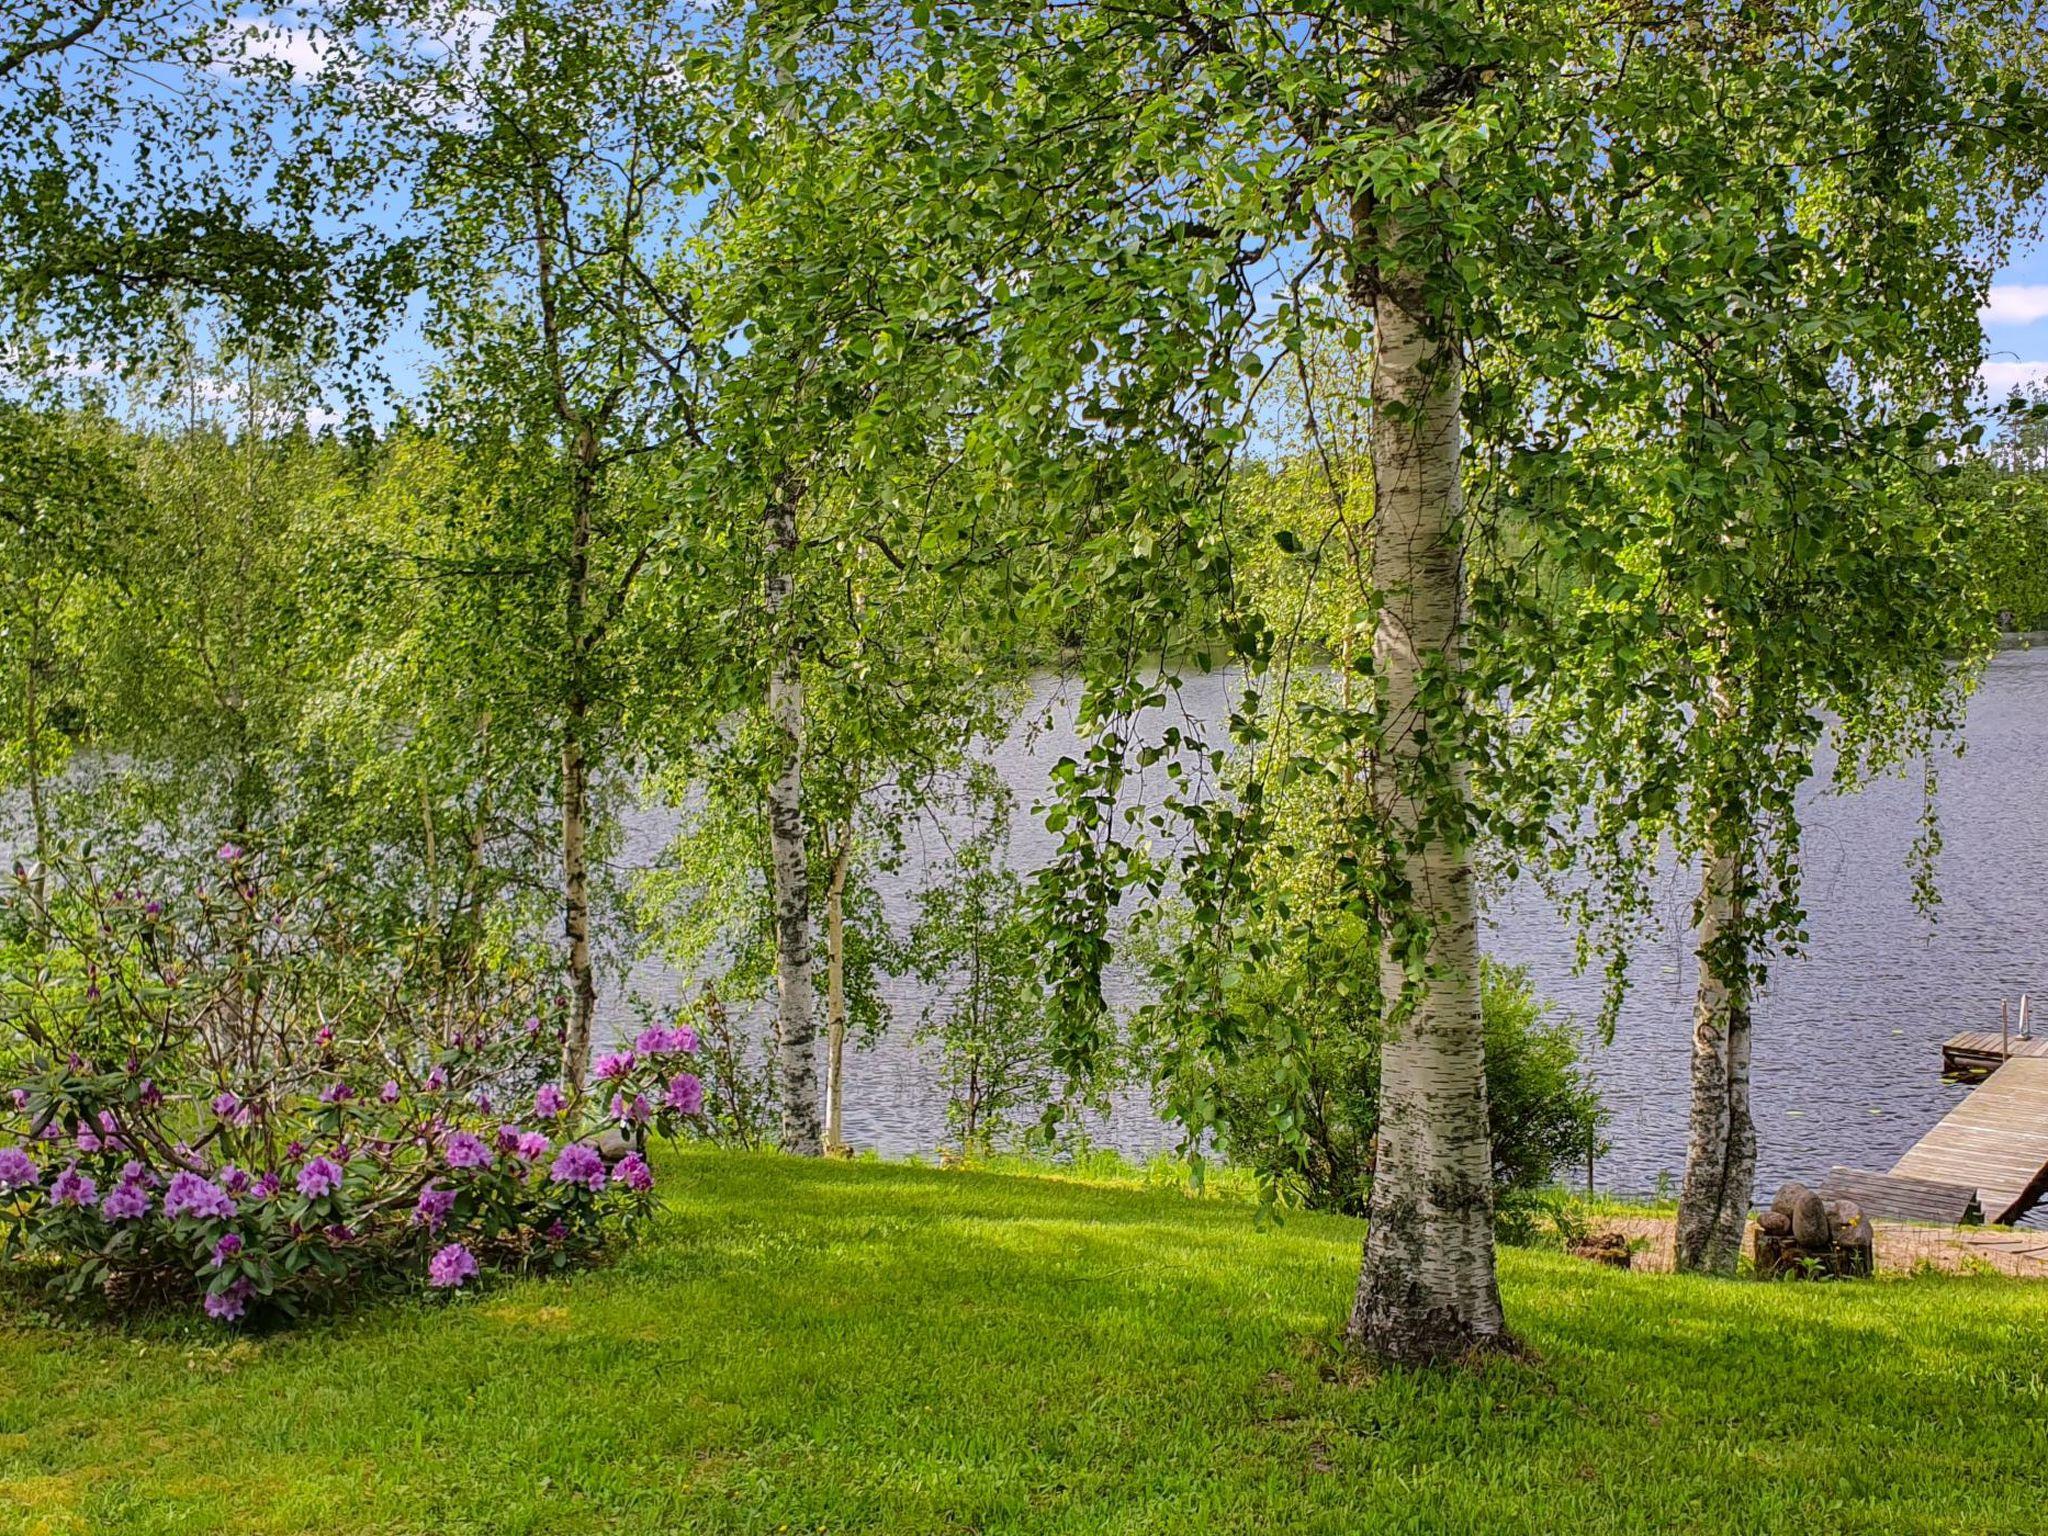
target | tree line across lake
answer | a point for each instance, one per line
(429, 429)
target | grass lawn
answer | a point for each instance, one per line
(864, 1347)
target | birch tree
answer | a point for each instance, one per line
(556, 178)
(1508, 191)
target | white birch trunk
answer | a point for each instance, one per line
(576, 780)
(835, 998)
(576, 910)
(1720, 1154)
(1427, 1290)
(796, 1023)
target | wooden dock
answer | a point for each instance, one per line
(1995, 1141)
(1977, 1053)
(1890, 1197)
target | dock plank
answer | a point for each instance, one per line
(1996, 1140)
(1888, 1197)
(1978, 1052)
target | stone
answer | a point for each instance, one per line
(1775, 1224)
(1809, 1215)
(1855, 1248)
(611, 1146)
(1787, 1196)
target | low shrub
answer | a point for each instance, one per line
(214, 1106)
(1297, 1099)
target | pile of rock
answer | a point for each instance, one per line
(1802, 1235)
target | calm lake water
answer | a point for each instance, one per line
(1848, 1036)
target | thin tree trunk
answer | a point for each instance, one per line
(576, 908)
(796, 1023)
(835, 996)
(1427, 1289)
(1720, 1154)
(576, 785)
(32, 723)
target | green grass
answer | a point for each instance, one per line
(881, 1348)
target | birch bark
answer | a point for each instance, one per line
(1427, 1289)
(796, 1024)
(1720, 1154)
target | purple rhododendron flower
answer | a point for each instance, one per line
(685, 1094)
(229, 1303)
(532, 1147)
(233, 1179)
(267, 1186)
(634, 1173)
(228, 853)
(295, 1149)
(389, 1092)
(20, 1097)
(483, 1101)
(579, 1164)
(128, 1201)
(192, 1195)
(533, 1025)
(336, 1092)
(437, 1080)
(549, 1102)
(224, 1250)
(639, 1112)
(467, 1151)
(150, 1094)
(508, 1138)
(659, 1041)
(615, 1064)
(133, 1172)
(325, 1036)
(319, 1177)
(433, 1208)
(451, 1266)
(18, 1170)
(557, 1233)
(74, 1188)
(226, 1105)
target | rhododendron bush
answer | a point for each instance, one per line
(213, 1099)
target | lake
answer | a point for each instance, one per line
(1847, 1037)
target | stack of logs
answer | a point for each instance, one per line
(1803, 1236)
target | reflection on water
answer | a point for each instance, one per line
(1847, 1036)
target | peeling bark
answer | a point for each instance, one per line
(1427, 1290)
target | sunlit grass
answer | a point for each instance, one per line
(867, 1347)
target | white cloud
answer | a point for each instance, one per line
(2001, 379)
(286, 37)
(2016, 304)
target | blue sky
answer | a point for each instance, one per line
(2016, 324)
